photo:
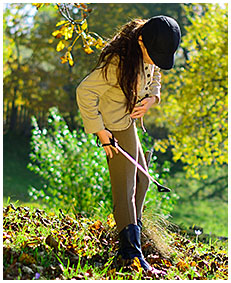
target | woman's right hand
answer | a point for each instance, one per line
(104, 137)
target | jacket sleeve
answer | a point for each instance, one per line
(156, 84)
(88, 94)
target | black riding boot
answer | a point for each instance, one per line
(140, 224)
(131, 245)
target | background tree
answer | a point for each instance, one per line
(194, 108)
(196, 95)
(16, 29)
(35, 79)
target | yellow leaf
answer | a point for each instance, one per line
(38, 5)
(57, 33)
(111, 272)
(193, 263)
(99, 43)
(61, 23)
(71, 62)
(110, 220)
(69, 58)
(182, 265)
(84, 25)
(205, 176)
(63, 59)
(60, 46)
(88, 50)
(67, 32)
(97, 225)
(136, 264)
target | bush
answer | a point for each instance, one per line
(162, 203)
(72, 167)
(74, 170)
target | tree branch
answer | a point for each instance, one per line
(216, 193)
(195, 194)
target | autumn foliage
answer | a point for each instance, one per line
(195, 96)
(71, 29)
(38, 245)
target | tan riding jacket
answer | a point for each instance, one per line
(102, 103)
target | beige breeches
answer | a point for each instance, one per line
(129, 186)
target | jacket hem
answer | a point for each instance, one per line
(113, 128)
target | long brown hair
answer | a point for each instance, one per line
(125, 46)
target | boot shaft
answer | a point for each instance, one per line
(130, 241)
(131, 245)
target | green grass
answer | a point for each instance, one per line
(60, 246)
(211, 215)
(16, 177)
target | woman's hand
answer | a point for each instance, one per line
(139, 111)
(104, 136)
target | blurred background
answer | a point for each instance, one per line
(187, 131)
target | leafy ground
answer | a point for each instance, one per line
(40, 245)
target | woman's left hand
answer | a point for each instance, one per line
(139, 111)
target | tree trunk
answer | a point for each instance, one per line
(13, 116)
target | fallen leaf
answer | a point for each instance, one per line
(26, 258)
(136, 264)
(182, 265)
(50, 241)
(97, 225)
(110, 221)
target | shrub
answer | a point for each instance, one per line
(162, 203)
(74, 171)
(72, 167)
